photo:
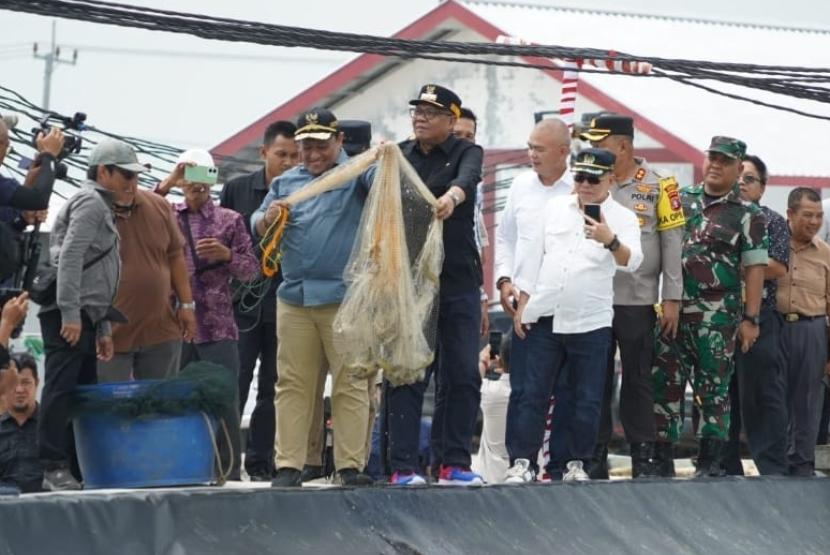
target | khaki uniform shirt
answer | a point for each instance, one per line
(805, 289)
(661, 249)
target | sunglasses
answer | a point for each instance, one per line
(126, 174)
(582, 177)
(749, 179)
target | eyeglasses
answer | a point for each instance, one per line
(749, 179)
(428, 114)
(582, 177)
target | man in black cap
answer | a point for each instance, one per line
(566, 309)
(451, 169)
(315, 249)
(257, 317)
(357, 136)
(656, 202)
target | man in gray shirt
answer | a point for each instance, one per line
(76, 328)
(656, 202)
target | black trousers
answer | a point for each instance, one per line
(457, 392)
(66, 367)
(760, 400)
(258, 341)
(633, 331)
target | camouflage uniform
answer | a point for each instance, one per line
(719, 237)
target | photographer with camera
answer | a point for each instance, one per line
(23, 205)
(41, 177)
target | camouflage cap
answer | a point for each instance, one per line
(733, 148)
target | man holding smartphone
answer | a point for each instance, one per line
(565, 309)
(656, 202)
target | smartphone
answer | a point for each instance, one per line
(201, 174)
(495, 343)
(592, 210)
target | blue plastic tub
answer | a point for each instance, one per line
(151, 451)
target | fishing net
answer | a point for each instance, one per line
(198, 387)
(388, 319)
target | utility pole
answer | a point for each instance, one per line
(52, 59)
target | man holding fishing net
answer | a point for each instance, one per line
(315, 248)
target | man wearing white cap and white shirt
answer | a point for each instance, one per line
(217, 248)
(83, 246)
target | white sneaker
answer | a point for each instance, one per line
(575, 473)
(520, 473)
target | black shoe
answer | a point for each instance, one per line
(709, 458)
(641, 455)
(311, 472)
(664, 459)
(352, 477)
(598, 469)
(260, 476)
(286, 478)
(60, 479)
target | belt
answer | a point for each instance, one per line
(796, 317)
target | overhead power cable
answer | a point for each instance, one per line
(785, 81)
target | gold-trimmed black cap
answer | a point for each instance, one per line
(606, 125)
(317, 123)
(593, 161)
(439, 96)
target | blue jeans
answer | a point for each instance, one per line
(575, 364)
(457, 391)
(515, 436)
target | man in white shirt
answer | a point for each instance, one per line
(565, 278)
(548, 148)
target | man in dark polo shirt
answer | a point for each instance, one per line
(149, 345)
(257, 318)
(20, 465)
(451, 169)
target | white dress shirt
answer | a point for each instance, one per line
(569, 276)
(520, 218)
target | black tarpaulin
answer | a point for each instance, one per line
(733, 515)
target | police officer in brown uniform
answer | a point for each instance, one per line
(656, 202)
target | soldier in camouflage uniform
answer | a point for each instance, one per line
(655, 200)
(724, 252)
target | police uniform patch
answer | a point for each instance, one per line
(643, 188)
(642, 221)
(669, 209)
(641, 173)
(640, 207)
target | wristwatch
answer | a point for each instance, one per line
(455, 199)
(755, 320)
(187, 306)
(613, 245)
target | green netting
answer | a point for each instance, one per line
(199, 387)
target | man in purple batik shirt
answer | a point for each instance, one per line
(217, 248)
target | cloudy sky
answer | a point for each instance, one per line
(189, 92)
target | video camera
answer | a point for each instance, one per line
(72, 141)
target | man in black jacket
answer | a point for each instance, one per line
(257, 318)
(451, 169)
